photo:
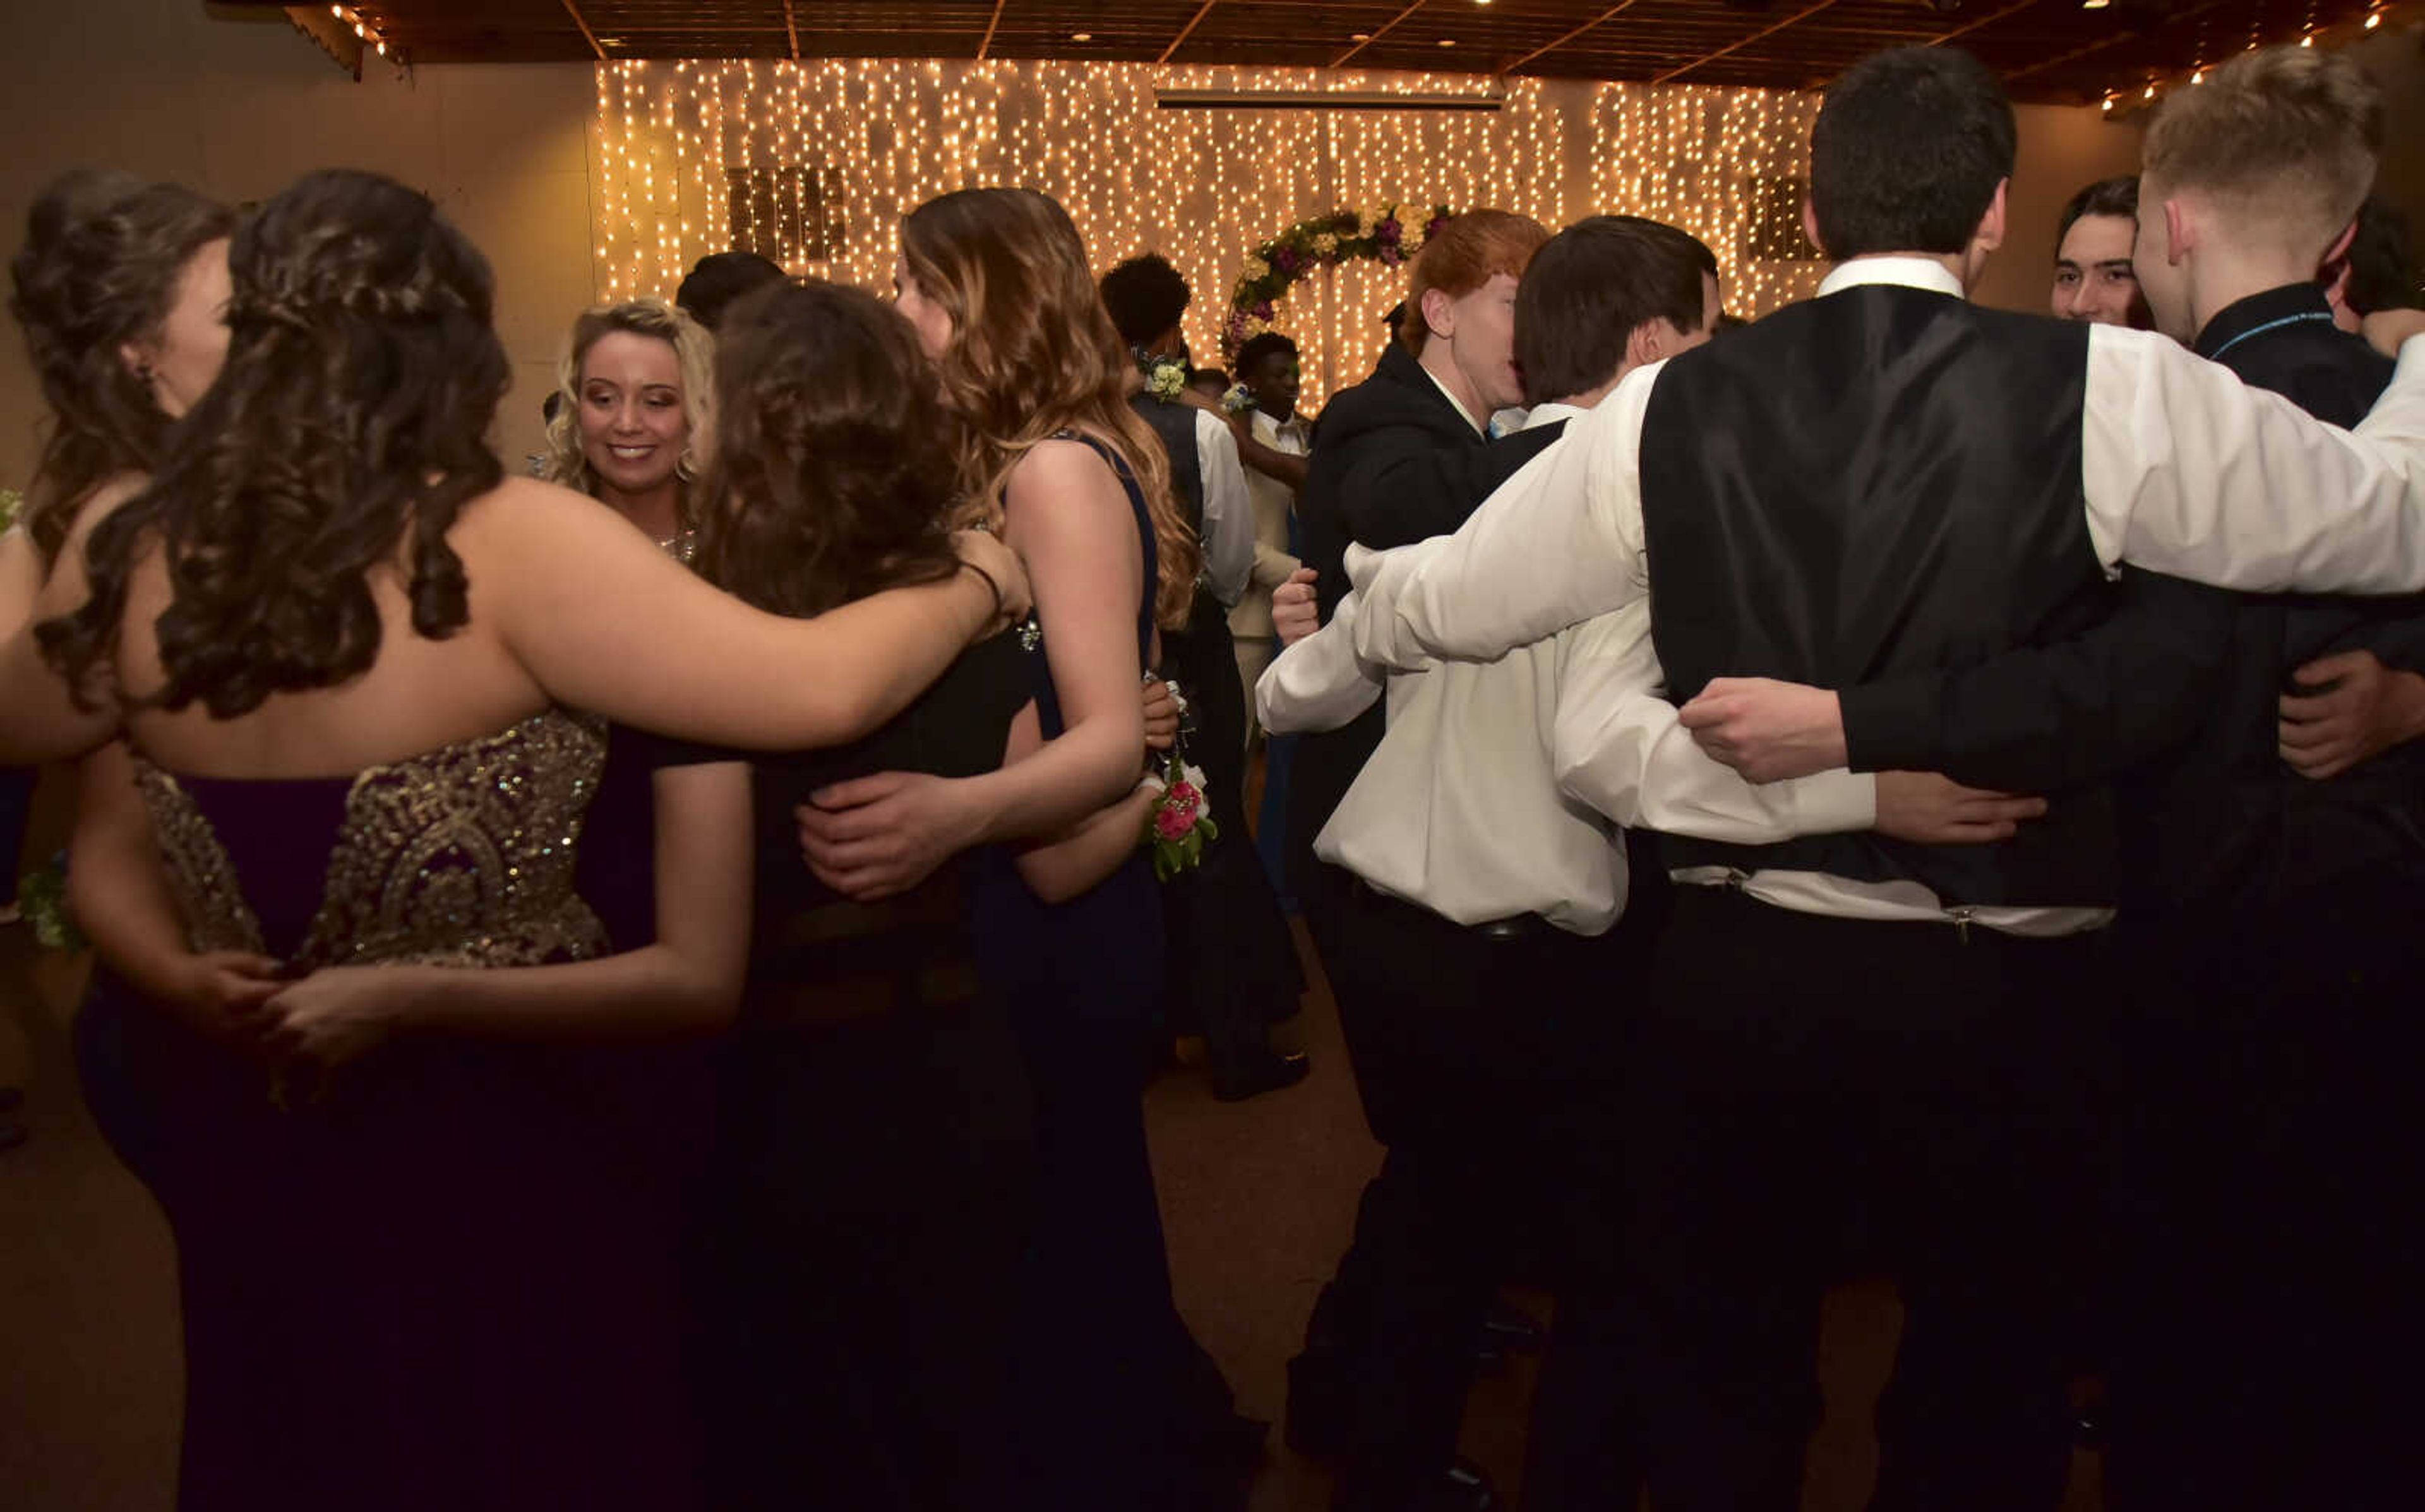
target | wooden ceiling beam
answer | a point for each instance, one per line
(1610, 14)
(991, 22)
(589, 36)
(1378, 32)
(1186, 31)
(792, 30)
(1739, 43)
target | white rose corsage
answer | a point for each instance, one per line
(1238, 400)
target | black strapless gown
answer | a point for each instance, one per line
(872, 1167)
(430, 1289)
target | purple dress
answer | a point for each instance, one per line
(426, 1288)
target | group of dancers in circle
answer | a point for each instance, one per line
(849, 755)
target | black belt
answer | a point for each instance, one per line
(1515, 928)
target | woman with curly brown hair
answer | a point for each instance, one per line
(1068, 930)
(121, 290)
(345, 646)
(859, 1306)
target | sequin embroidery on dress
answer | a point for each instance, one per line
(462, 856)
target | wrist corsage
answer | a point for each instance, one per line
(1179, 826)
(43, 894)
(1238, 400)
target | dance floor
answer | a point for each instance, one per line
(1259, 1198)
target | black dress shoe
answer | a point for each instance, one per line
(1464, 1489)
(1266, 1072)
(1510, 1329)
(1316, 1422)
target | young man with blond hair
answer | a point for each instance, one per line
(2268, 1348)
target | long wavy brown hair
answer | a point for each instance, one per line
(345, 431)
(829, 482)
(1032, 353)
(102, 256)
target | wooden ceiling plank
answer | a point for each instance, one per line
(1739, 43)
(1378, 32)
(1186, 31)
(991, 22)
(590, 36)
(792, 30)
(1610, 14)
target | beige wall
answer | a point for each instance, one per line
(238, 107)
(2061, 149)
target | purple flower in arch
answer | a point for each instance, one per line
(1285, 259)
(1387, 232)
(1432, 226)
(1264, 310)
(1390, 254)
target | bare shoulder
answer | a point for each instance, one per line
(523, 515)
(1061, 469)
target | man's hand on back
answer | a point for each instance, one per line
(1768, 730)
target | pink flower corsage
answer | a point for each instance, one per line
(1179, 826)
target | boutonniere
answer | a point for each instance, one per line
(1165, 380)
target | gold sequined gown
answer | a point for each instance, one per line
(432, 1287)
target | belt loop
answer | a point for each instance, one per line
(1736, 879)
(1961, 917)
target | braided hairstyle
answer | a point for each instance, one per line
(102, 256)
(347, 426)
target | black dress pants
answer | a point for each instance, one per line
(1484, 1056)
(1799, 1080)
(2270, 1349)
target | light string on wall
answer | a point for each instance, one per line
(873, 138)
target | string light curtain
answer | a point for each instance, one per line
(843, 148)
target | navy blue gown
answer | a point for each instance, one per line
(1126, 1401)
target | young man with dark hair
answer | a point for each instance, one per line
(1473, 899)
(2378, 270)
(1274, 441)
(1234, 968)
(719, 279)
(2093, 279)
(1886, 481)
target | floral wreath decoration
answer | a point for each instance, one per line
(1389, 235)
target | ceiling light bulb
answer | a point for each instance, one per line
(1360, 37)
(1082, 37)
(2199, 77)
(2374, 18)
(2309, 41)
(2094, 4)
(2150, 94)
(2108, 103)
(1448, 41)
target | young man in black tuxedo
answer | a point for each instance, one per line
(1886, 481)
(2274, 1338)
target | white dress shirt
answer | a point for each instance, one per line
(1228, 528)
(1460, 809)
(2184, 469)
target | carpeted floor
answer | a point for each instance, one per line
(1259, 1198)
